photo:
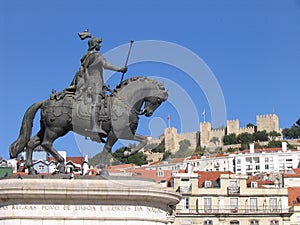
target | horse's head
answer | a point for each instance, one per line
(150, 105)
(142, 92)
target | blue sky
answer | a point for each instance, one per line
(252, 48)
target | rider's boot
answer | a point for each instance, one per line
(94, 122)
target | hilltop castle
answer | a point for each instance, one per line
(211, 137)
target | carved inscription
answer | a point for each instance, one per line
(87, 208)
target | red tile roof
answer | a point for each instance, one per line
(260, 182)
(296, 174)
(177, 160)
(194, 157)
(209, 175)
(267, 150)
(144, 173)
(122, 166)
(74, 159)
(294, 196)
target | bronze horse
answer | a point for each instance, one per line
(133, 97)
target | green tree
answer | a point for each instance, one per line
(273, 135)
(215, 140)
(274, 144)
(290, 133)
(138, 158)
(245, 138)
(184, 145)
(260, 136)
(160, 148)
(230, 139)
(95, 160)
(199, 150)
(167, 155)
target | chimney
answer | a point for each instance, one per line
(284, 146)
(252, 148)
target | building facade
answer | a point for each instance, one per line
(222, 198)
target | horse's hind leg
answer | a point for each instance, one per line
(111, 140)
(49, 137)
(143, 141)
(31, 145)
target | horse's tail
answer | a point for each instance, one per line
(25, 131)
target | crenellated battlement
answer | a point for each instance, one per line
(209, 135)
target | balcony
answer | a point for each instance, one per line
(228, 211)
(233, 191)
(185, 189)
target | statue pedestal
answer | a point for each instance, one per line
(112, 201)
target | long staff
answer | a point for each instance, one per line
(131, 43)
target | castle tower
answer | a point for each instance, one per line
(171, 139)
(233, 127)
(205, 128)
(267, 122)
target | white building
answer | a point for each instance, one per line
(249, 162)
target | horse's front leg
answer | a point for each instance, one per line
(111, 140)
(143, 141)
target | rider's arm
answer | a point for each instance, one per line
(107, 65)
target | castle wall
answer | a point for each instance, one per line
(192, 137)
(219, 134)
(171, 140)
(249, 130)
(205, 128)
(268, 123)
(207, 134)
(233, 126)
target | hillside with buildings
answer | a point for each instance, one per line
(212, 138)
(257, 185)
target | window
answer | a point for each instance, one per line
(253, 204)
(234, 204)
(253, 184)
(187, 203)
(266, 159)
(234, 222)
(275, 222)
(207, 204)
(208, 184)
(253, 222)
(41, 167)
(208, 222)
(298, 220)
(233, 184)
(267, 166)
(273, 204)
(160, 173)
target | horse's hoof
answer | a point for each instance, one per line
(31, 171)
(61, 168)
(104, 173)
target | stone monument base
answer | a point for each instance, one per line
(112, 201)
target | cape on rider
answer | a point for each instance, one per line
(89, 77)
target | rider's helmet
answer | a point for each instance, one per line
(93, 42)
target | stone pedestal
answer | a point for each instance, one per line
(85, 201)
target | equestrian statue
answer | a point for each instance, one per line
(88, 107)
